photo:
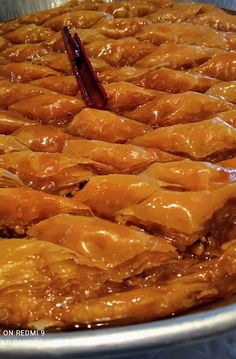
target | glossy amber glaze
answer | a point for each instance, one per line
(124, 158)
(173, 81)
(197, 140)
(106, 126)
(66, 85)
(123, 96)
(11, 121)
(225, 90)
(24, 52)
(42, 138)
(51, 172)
(105, 195)
(29, 34)
(223, 67)
(24, 206)
(127, 213)
(11, 93)
(120, 52)
(179, 108)
(49, 109)
(11, 144)
(105, 248)
(217, 19)
(179, 215)
(182, 33)
(177, 56)
(191, 175)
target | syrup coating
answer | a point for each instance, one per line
(49, 109)
(173, 81)
(29, 34)
(181, 216)
(223, 67)
(50, 172)
(105, 126)
(197, 140)
(124, 158)
(225, 90)
(127, 213)
(191, 175)
(183, 33)
(108, 248)
(173, 109)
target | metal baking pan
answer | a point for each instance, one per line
(132, 339)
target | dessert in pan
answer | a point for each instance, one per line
(123, 209)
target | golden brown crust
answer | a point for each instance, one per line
(127, 213)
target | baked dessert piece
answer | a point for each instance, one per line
(41, 17)
(181, 216)
(120, 52)
(8, 179)
(14, 92)
(123, 73)
(127, 9)
(178, 56)
(78, 19)
(125, 213)
(192, 140)
(183, 33)
(106, 249)
(11, 121)
(124, 158)
(99, 298)
(55, 109)
(30, 34)
(23, 206)
(56, 43)
(9, 143)
(191, 175)
(225, 90)
(123, 96)
(173, 109)
(3, 43)
(200, 283)
(179, 12)
(25, 71)
(106, 126)
(105, 195)
(24, 52)
(51, 172)
(120, 28)
(223, 67)
(42, 138)
(217, 19)
(66, 85)
(56, 61)
(173, 81)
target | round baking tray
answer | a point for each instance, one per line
(132, 339)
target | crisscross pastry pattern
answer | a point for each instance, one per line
(128, 213)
